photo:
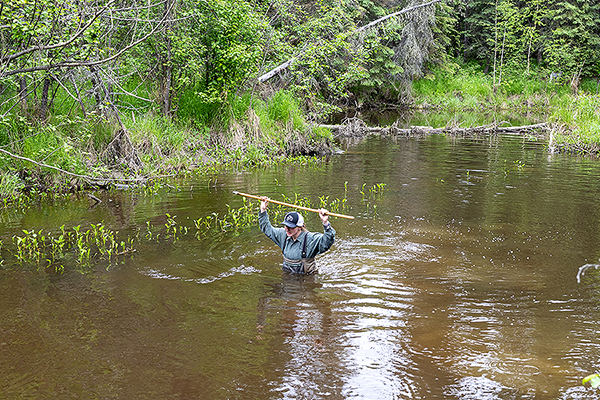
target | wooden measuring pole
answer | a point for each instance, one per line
(250, 196)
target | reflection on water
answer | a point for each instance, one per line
(459, 281)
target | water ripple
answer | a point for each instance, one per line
(243, 270)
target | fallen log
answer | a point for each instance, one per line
(357, 128)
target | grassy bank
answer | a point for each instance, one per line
(572, 106)
(68, 151)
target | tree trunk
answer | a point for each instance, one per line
(79, 97)
(23, 92)
(167, 66)
(44, 99)
(502, 57)
(97, 88)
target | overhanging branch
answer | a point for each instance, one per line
(73, 64)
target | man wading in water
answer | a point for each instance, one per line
(298, 245)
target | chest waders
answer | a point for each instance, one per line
(303, 266)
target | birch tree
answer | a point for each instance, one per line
(75, 46)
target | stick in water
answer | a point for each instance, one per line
(293, 205)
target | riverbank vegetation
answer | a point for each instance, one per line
(99, 92)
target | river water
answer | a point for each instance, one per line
(455, 280)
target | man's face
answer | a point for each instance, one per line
(292, 232)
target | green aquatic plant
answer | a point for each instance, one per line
(324, 201)
(362, 191)
(153, 187)
(98, 242)
(594, 380)
(375, 190)
(171, 226)
(519, 165)
(30, 247)
(59, 244)
(148, 230)
(370, 194)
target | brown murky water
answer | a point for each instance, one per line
(457, 282)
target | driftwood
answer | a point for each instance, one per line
(265, 77)
(357, 128)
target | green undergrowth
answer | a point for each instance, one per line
(578, 122)
(61, 152)
(467, 86)
(453, 87)
(580, 114)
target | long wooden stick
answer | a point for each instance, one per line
(293, 205)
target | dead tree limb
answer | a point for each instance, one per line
(86, 177)
(404, 11)
(357, 128)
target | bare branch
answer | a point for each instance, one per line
(72, 64)
(124, 91)
(86, 177)
(11, 57)
(47, 166)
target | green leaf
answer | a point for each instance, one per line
(594, 380)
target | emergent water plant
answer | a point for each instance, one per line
(97, 242)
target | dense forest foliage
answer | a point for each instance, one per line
(119, 77)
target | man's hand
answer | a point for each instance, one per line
(264, 202)
(324, 217)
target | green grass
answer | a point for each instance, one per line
(580, 117)
(10, 184)
(463, 87)
(453, 87)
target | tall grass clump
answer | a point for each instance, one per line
(280, 118)
(43, 142)
(591, 86)
(580, 116)
(284, 108)
(10, 184)
(453, 86)
(198, 111)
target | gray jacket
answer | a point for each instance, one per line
(316, 243)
